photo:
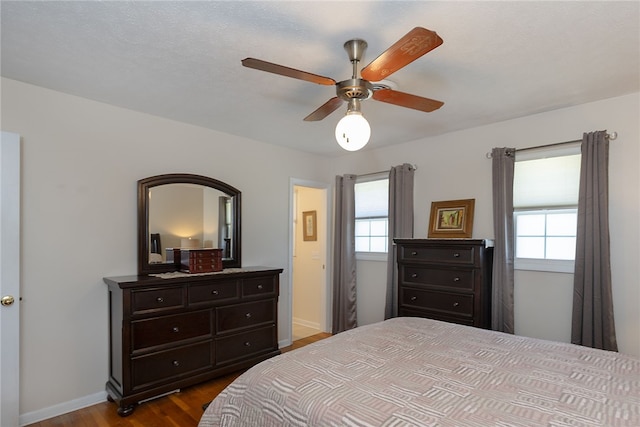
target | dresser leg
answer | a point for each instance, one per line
(125, 411)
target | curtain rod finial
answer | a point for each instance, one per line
(612, 135)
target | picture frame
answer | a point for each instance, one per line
(309, 226)
(451, 219)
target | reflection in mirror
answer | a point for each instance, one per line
(186, 211)
(188, 216)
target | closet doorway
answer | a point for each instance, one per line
(309, 269)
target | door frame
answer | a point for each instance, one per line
(10, 278)
(325, 321)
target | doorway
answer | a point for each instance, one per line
(309, 269)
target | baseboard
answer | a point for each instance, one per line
(308, 324)
(62, 408)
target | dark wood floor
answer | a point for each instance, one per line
(181, 409)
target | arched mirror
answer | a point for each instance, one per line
(186, 211)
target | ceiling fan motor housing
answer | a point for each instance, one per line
(354, 89)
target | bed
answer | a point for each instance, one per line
(420, 372)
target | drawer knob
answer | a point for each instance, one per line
(456, 279)
(175, 363)
(456, 255)
(214, 292)
(160, 299)
(414, 253)
(248, 315)
(455, 304)
(175, 329)
(413, 298)
(260, 286)
(247, 344)
(414, 275)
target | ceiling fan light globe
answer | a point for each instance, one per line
(353, 131)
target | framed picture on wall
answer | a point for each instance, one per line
(452, 219)
(309, 226)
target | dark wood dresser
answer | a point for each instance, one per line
(445, 279)
(177, 330)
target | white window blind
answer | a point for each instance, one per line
(372, 199)
(546, 182)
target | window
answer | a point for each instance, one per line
(545, 200)
(546, 234)
(372, 215)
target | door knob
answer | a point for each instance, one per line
(7, 300)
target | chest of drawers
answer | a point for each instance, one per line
(445, 279)
(169, 333)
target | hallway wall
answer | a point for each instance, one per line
(309, 262)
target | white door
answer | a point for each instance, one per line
(9, 278)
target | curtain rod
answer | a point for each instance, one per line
(415, 168)
(610, 136)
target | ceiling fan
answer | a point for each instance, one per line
(353, 131)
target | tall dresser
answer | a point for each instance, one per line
(445, 279)
(174, 330)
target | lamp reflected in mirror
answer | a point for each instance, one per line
(190, 243)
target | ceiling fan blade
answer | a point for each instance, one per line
(407, 100)
(269, 67)
(412, 46)
(325, 109)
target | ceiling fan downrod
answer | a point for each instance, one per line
(355, 49)
(354, 88)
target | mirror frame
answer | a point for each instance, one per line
(144, 185)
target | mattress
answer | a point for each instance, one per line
(422, 372)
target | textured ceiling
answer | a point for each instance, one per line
(181, 60)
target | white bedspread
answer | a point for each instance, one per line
(421, 372)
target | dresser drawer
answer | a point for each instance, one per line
(241, 316)
(199, 267)
(170, 329)
(156, 299)
(451, 303)
(258, 286)
(441, 255)
(167, 365)
(213, 292)
(444, 317)
(234, 347)
(458, 279)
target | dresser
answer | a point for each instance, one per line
(445, 279)
(173, 330)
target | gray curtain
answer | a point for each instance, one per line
(502, 318)
(592, 320)
(400, 225)
(344, 256)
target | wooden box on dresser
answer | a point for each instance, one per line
(177, 330)
(445, 279)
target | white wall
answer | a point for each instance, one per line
(371, 292)
(81, 160)
(455, 166)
